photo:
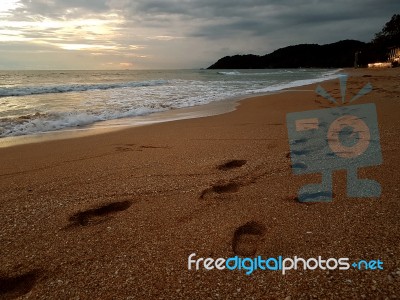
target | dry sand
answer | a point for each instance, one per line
(115, 216)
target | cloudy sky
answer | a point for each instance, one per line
(158, 34)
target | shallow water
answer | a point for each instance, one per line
(34, 102)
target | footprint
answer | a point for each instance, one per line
(231, 164)
(292, 198)
(230, 187)
(154, 147)
(246, 238)
(123, 149)
(98, 215)
(13, 287)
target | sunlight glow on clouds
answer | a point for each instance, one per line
(7, 5)
(87, 28)
(86, 35)
(85, 47)
(163, 37)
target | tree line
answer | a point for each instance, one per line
(342, 54)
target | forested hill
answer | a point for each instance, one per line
(336, 55)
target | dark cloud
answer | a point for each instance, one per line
(262, 20)
(299, 20)
(206, 9)
(60, 8)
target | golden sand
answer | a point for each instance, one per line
(116, 215)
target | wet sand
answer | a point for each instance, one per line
(116, 215)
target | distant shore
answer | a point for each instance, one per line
(117, 214)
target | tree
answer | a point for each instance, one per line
(389, 36)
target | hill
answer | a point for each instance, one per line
(336, 55)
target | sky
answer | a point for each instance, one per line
(173, 34)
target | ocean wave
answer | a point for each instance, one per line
(40, 123)
(252, 73)
(229, 73)
(297, 83)
(27, 116)
(67, 88)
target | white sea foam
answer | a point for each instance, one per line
(229, 73)
(258, 73)
(52, 89)
(296, 83)
(41, 107)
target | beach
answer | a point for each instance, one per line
(116, 215)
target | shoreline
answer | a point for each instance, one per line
(112, 125)
(116, 215)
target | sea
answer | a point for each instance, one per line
(37, 102)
